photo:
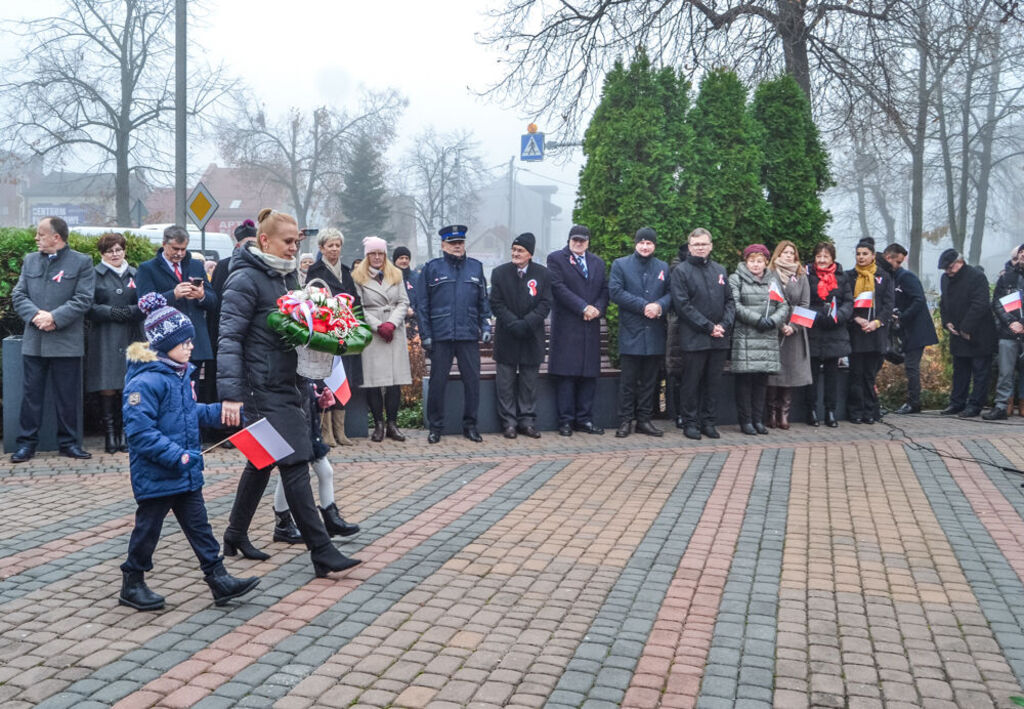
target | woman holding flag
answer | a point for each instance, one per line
(761, 312)
(828, 339)
(794, 354)
(873, 299)
(258, 368)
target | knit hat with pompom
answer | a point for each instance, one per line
(166, 327)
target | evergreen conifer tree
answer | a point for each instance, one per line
(725, 175)
(795, 170)
(364, 205)
(635, 147)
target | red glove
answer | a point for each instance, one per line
(324, 399)
(386, 331)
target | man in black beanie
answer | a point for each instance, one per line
(520, 302)
(402, 258)
(640, 284)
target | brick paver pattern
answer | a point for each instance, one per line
(864, 566)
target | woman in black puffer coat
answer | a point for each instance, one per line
(257, 368)
(832, 300)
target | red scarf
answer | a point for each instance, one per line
(826, 280)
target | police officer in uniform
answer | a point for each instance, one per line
(454, 315)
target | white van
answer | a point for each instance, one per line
(218, 244)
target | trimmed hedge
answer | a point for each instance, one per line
(16, 243)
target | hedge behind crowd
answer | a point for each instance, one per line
(15, 243)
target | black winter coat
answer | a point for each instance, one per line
(254, 365)
(702, 298)
(520, 306)
(353, 363)
(965, 304)
(1010, 280)
(575, 342)
(634, 282)
(108, 338)
(156, 276)
(880, 310)
(830, 338)
(915, 319)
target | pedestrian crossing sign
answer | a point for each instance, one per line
(531, 147)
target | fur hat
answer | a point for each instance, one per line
(166, 327)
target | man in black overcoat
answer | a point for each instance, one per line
(520, 302)
(967, 315)
(915, 323)
(579, 292)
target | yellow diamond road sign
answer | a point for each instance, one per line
(201, 205)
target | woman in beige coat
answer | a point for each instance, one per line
(794, 351)
(386, 359)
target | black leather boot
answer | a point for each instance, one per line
(107, 402)
(119, 437)
(225, 586)
(327, 559)
(136, 594)
(335, 524)
(378, 432)
(830, 419)
(285, 529)
(251, 486)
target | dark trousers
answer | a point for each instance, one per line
(190, 511)
(861, 399)
(384, 401)
(672, 385)
(516, 390)
(297, 493)
(205, 377)
(750, 396)
(912, 365)
(467, 353)
(965, 371)
(65, 374)
(638, 380)
(824, 374)
(702, 380)
(574, 397)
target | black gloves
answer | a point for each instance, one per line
(765, 324)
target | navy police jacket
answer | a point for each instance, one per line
(451, 299)
(161, 421)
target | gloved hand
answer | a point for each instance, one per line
(519, 328)
(426, 345)
(324, 399)
(765, 324)
(386, 331)
(487, 336)
(120, 313)
(190, 460)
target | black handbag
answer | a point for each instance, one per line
(894, 351)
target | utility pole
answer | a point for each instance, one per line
(511, 195)
(180, 85)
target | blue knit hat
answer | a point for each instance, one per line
(166, 327)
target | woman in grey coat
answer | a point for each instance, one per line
(115, 322)
(794, 353)
(755, 338)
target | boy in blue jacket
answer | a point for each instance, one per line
(161, 421)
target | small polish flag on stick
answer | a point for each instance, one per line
(802, 316)
(338, 382)
(261, 444)
(1011, 302)
(864, 300)
(775, 293)
(833, 312)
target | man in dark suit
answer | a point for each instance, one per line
(579, 292)
(52, 296)
(915, 322)
(182, 281)
(520, 301)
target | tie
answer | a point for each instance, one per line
(177, 271)
(581, 261)
(521, 274)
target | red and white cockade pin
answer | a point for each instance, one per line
(58, 277)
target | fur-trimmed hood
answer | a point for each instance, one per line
(140, 352)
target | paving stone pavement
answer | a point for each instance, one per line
(864, 566)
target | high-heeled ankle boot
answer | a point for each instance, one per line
(327, 559)
(784, 401)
